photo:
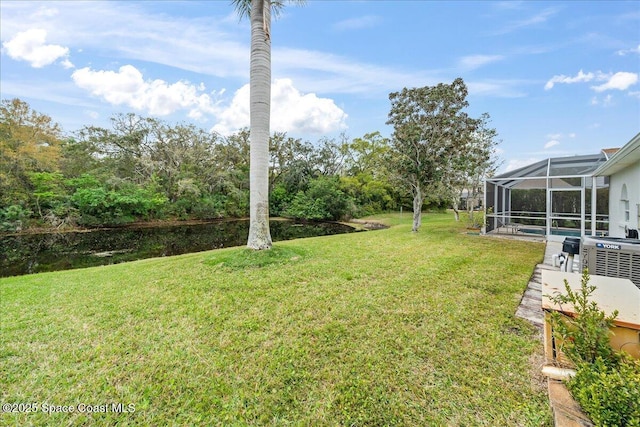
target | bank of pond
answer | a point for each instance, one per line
(35, 253)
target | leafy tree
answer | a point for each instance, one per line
(368, 155)
(369, 195)
(183, 153)
(259, 12)
(431, 130)
(477, 162)
(331, 157)
(292, 162)
(230, 176)
(48, 191)
(29, 142)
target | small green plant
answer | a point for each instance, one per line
(607, 383)
(584, 337)
(475, 219)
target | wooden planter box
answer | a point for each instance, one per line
(610, 294)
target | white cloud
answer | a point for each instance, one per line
(551, 143)
(157, 97)
(620, 81)
(30, 46)
(358, 23)
(291, 111)
(580, 77)
(633, 50)
(554, 139)
(67, 64)
(472, 62)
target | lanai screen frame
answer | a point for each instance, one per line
(552, 174)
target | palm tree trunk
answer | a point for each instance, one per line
(260, 114)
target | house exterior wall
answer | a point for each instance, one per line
(629, 177)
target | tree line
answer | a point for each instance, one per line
(143, 169)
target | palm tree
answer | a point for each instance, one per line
(259, 12)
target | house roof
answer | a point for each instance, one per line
(610, 151)
(623, 158)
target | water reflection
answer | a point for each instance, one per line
(37, 253)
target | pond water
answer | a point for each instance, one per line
(35, 253)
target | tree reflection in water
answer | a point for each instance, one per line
(36, 253)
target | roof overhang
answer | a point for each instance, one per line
(627, 156)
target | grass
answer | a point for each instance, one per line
(366, 329)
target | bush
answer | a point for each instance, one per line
(323, 200)
(610, 395)
(585, 337)
(607, 383)
(279, 200)
(209, 207)
(12, 218)
(475, 219)
(100, 205)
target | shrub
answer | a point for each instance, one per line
(323, 200)
(607, 383)
(475, 219)
(585, 337)
(12, 218)
(279, 200)
(209, 207)
(116, 206)
(610, 395)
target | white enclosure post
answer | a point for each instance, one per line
(583, 201)
(594, 205)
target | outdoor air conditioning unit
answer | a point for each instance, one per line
(612, 257)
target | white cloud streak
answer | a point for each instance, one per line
(534, 20)
(551, 143)
(618, 81)
(359, 23)
(472, 62)
(633, 50)
(621, 80)
(579, 78)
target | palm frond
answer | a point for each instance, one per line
(243, 7)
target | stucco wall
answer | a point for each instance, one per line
(630, 177)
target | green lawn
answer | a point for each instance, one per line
(375, 328)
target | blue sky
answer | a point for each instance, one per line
(557, 78)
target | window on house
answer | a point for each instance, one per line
(624, 198)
